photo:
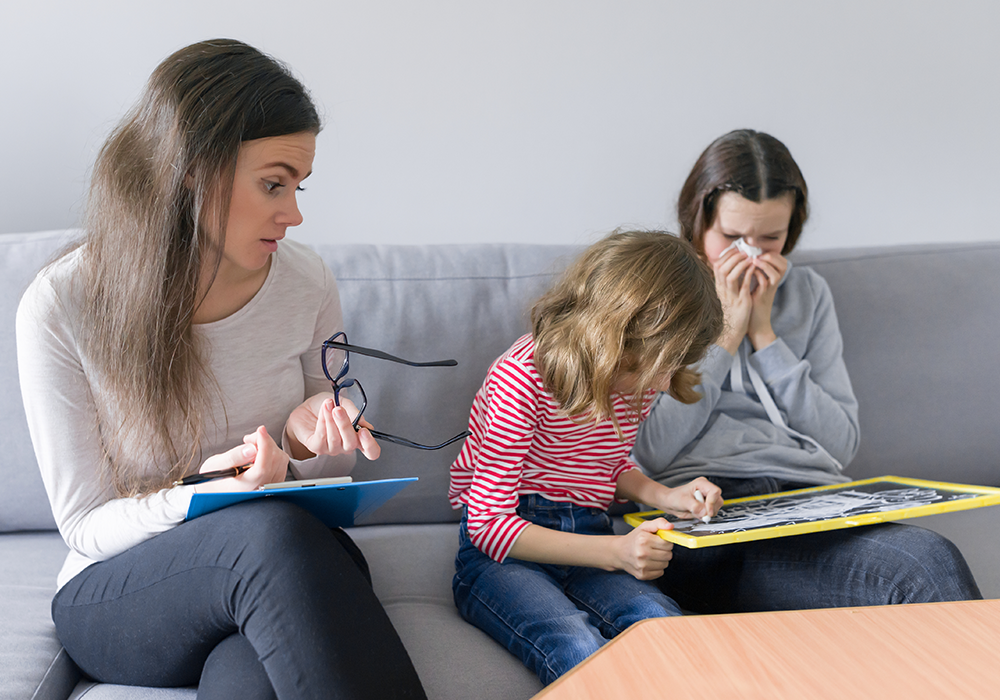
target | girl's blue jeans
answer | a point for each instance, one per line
(552, 617)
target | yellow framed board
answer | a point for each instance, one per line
(863, 502)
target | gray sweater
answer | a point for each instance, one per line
(728, 433)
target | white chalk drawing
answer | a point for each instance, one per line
(812, 507)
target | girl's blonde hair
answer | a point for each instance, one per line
(640, 303)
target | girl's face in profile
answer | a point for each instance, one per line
(762, 224)
(268, 174)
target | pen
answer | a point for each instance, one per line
(209, 476)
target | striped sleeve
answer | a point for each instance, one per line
(507, 418)
(627, 464)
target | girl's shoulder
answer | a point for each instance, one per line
(801, 282)
(800, 275)
(517, 360)
(523, 350)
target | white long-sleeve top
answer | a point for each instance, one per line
(264, 359)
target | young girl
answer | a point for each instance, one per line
(184, 335)
(778, 410)
(539, 568)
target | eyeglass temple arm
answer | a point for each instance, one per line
(379, 435)
(386, 356)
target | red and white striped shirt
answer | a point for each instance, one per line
(522, 443)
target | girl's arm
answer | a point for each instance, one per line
(642, 552)
(681, 501)
(814, 393)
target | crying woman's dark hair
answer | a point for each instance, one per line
(756, 166)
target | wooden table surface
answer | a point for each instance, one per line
(933, 650)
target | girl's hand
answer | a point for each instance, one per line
(642, 552)
(319, 427)
(682, 501)
(734, 273)
(269, 464)
(768, 269)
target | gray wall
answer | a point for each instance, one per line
(545, 120)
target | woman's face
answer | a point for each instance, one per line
(761, 224)
(263, 205)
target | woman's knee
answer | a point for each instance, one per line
(234, 670)
(929, 566)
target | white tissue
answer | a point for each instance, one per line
(741, 245)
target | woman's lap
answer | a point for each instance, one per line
(265, 570)
(873, 565)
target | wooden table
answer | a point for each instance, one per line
(933, 650)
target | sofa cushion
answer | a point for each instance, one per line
(104, 691)
(33, 663)
(411, 569)
(920, 340)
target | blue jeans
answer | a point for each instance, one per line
(552, 617)
(873, 565)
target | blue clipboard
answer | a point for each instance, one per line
(337, 505)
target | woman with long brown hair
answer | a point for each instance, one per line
(183, 335)
(778, 411)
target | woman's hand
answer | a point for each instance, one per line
(768, 270)
(642, 552)
(684, 503)
(734, 273)
(319, 427)
(269, 464)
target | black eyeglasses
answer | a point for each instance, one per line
(344, 384)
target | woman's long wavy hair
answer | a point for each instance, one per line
(156, 215)
(636, 303)
(753, 164)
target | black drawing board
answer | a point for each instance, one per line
(337, 505)
(822, 508)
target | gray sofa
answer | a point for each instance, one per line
(920, 327)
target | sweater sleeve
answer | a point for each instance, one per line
(508, 420)
(329, 320)
(815, 393)
(673, 425)
(63, 424)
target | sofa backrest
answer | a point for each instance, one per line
(23, 504)
(467, 302)
(919, 326)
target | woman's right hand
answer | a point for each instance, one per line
(317, 426)
(733, 277)
(642, 552)
(270, 464)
